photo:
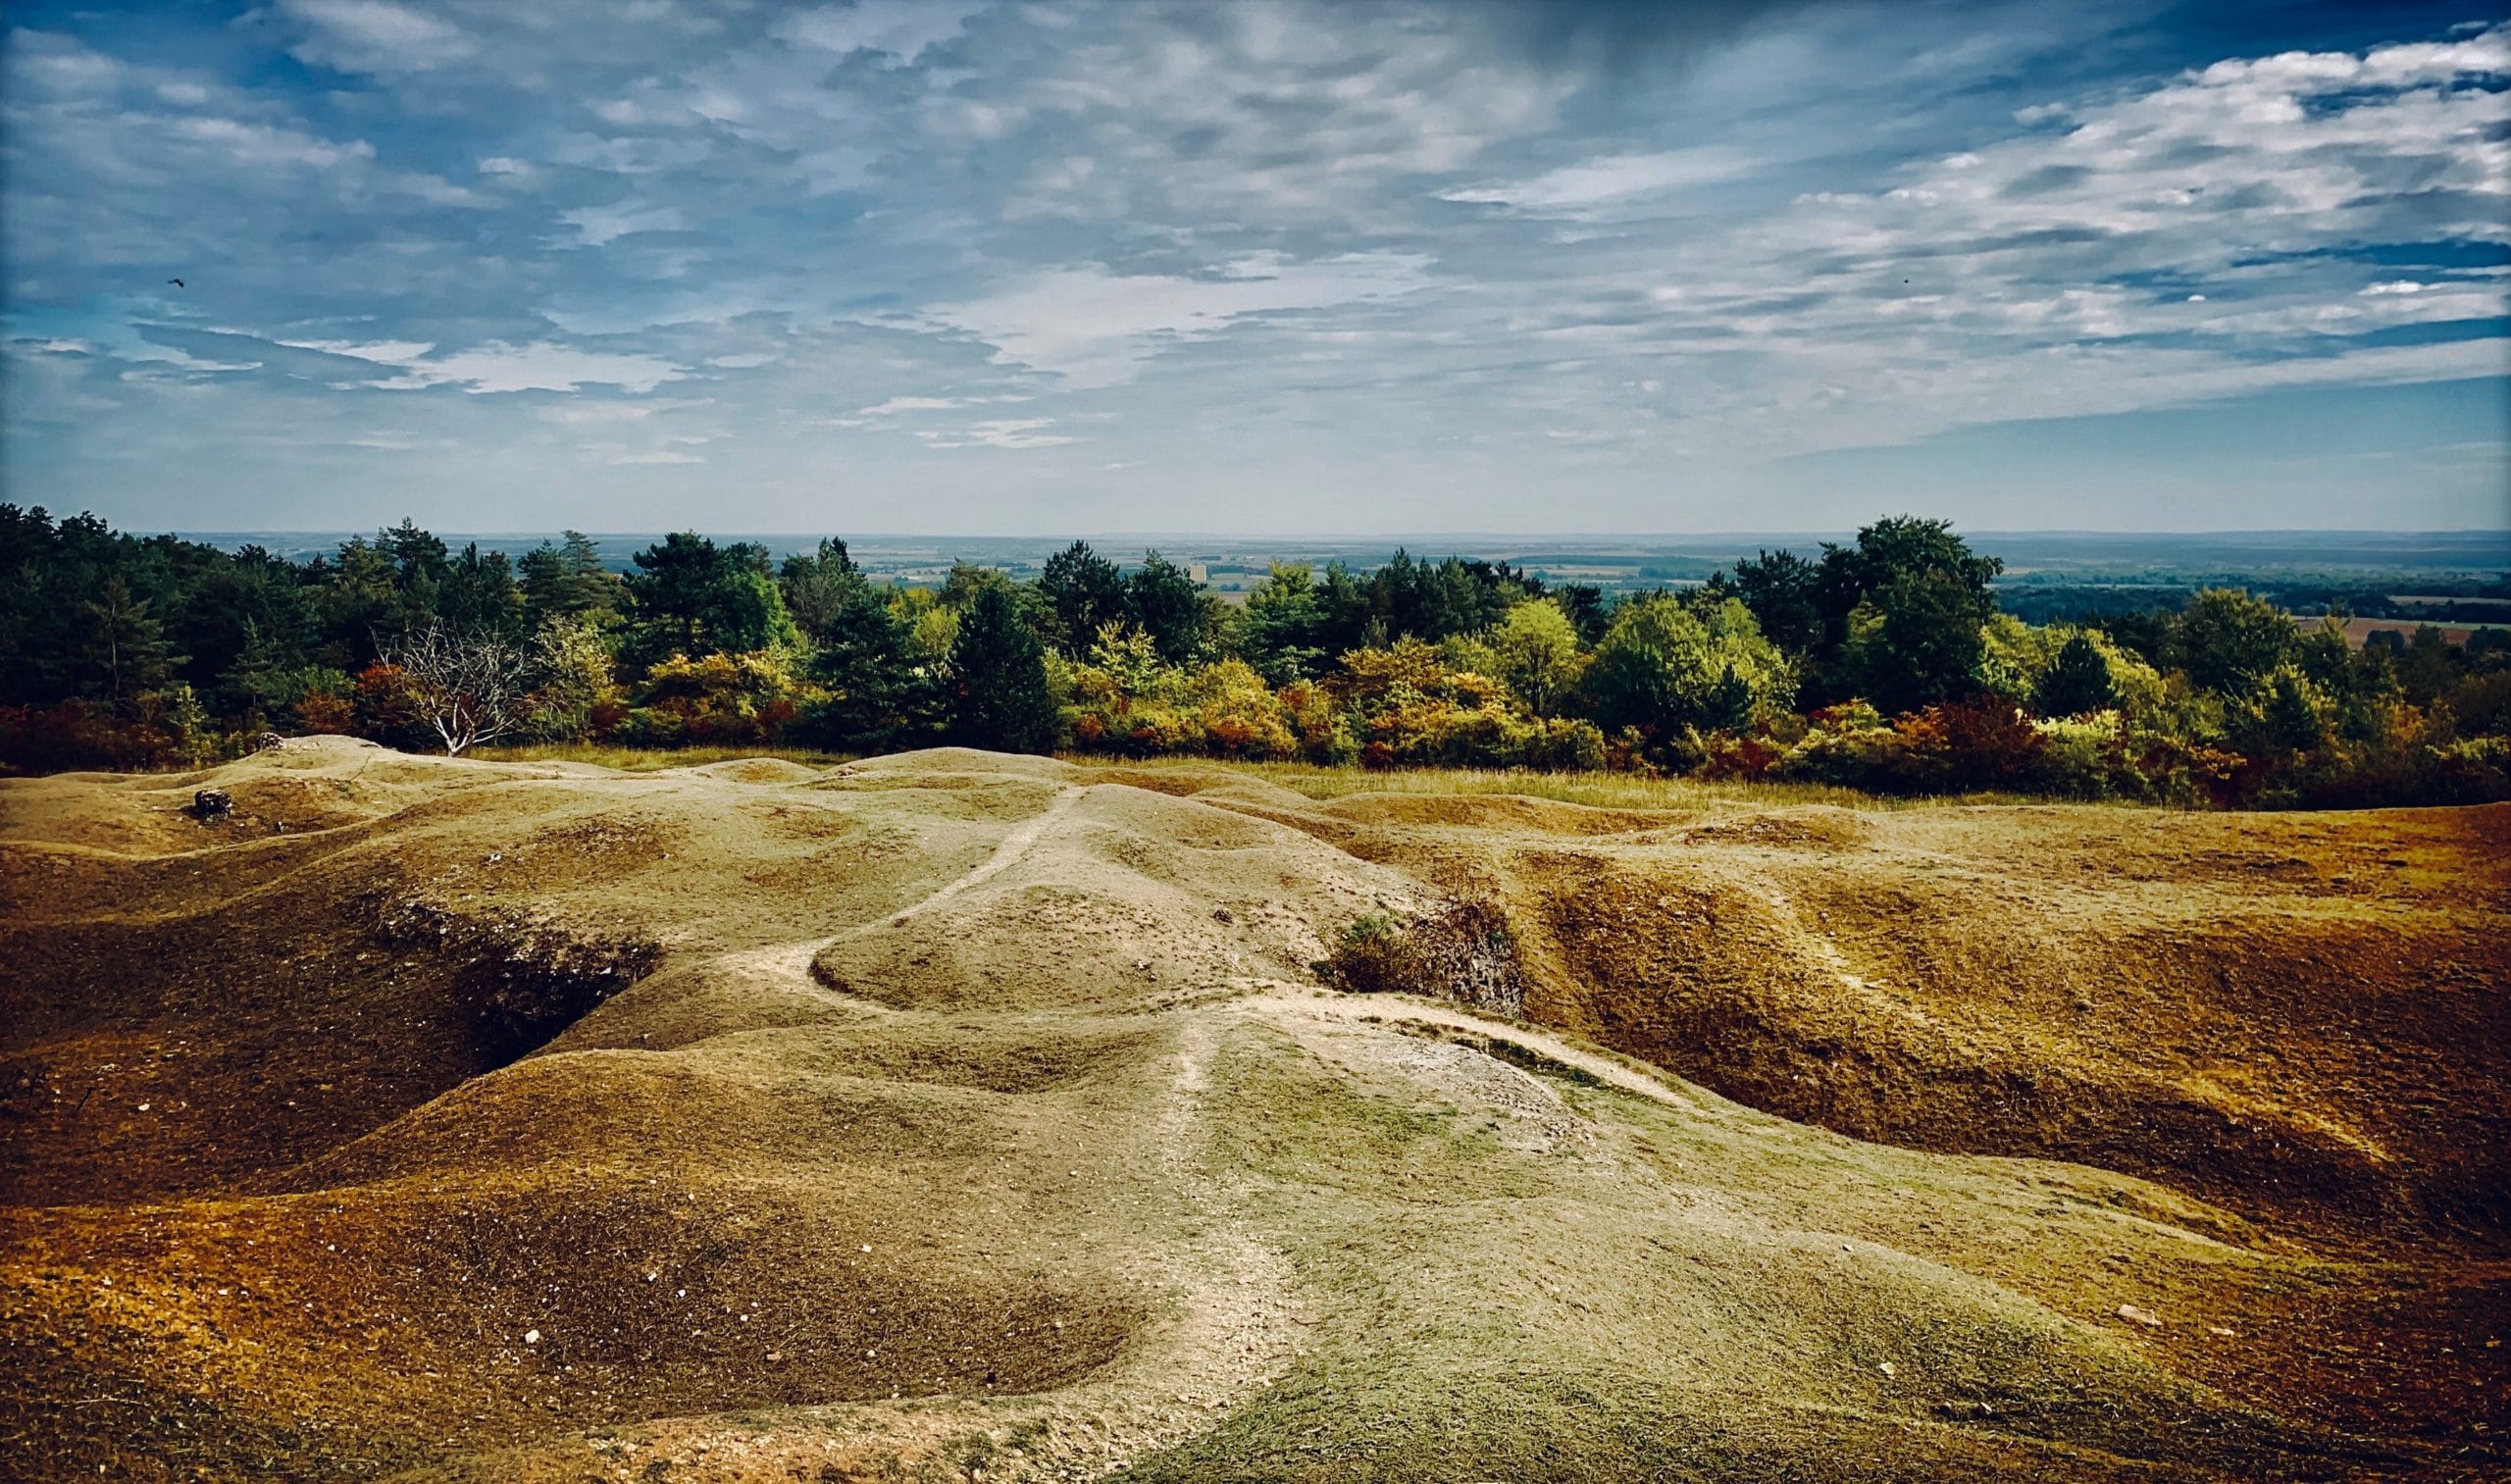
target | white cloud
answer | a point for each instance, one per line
(1001, 432)
(583, 412)
(902, 28)
(385, 352)
(1095, 328)
(896, 405)
(596, 225)
(1287, 113)
(1614, 181)
(499, 366)
(374, 37)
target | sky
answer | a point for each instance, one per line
(1030, 266)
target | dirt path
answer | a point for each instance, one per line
(1234, 1330)
(788, 965)
(1015, 845)
(1396, 1010)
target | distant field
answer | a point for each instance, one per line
(2358, 631)
(2167, 561)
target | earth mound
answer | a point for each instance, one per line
(958, 1116)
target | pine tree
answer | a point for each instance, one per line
(1086, 590)
(126, 648)
(877, 700)
(998, 678)
(2077, 681)
(1165, 603)
(569, 581)
(817, 584)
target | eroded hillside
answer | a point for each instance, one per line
(956, 1116)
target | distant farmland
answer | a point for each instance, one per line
(2360, 629)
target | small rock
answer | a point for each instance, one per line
(2145, 1317)
(212, 803)
(1223, 914)
(2217, 1329)
(532, 1337)
(1886, 1368)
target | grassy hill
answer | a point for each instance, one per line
(959, 1116)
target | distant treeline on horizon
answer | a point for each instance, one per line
(1888, 662)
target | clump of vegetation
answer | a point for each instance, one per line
(1462, 951)
(1882, 666)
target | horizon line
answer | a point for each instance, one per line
(1373, 535)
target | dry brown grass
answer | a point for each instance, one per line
(968, 1112)
(1599, 790)
(646, 759)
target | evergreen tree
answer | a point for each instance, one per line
(1345, 607)
(1783, 591)
(679, 581)
(1170, 606)
(2294, 713)
(569, 581)
(998, 678)
(1085, 590)
(125, 647)
(878, 699)
(254, 598)
(1283, 622)
(479, 594)
(816, 586)
(2077, 681)
(1587, 610)
(359, 603)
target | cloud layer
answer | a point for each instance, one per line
(900, 264)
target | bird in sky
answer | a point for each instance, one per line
(178, 283)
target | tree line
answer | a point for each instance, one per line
(1883, 663)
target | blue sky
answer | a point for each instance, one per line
(1029, 268)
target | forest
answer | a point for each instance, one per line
(1883, 664)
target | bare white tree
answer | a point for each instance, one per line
(468, 687)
